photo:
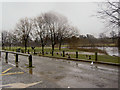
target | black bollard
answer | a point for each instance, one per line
(76, 54)
(16, 60)
(28, 52)
(96, 56)
(34, 52)
(6, 57)
(63, 53)
(89, 57)
(52, 53)
(68, 56)
(30, 60)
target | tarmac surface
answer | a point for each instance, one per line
(22, 80)
(58, 73)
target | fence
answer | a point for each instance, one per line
(16, 56)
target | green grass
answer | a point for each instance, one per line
(103, 58)
(49, 49)
(107, 58)
(39, 49)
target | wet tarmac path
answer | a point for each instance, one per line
(73, 74)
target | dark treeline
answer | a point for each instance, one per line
(51, 29)
(44, 30)
(74, 41)
(89, 40)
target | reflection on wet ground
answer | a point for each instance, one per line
(73, 74)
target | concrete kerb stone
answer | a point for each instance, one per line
(84, 60)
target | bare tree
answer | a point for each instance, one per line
(10, 39)
(4, 38)
(23, 30)
(52, 22)
(62, 34)
(72, 34)
(41, 31)
(91, 40)
(62, 31)
(113, 36)
(110, 12)
(103, 40)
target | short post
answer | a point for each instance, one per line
(96, 56)
(34, 51)
(76, 54)
(16, 60)
(89, 57)
(30, 60)
(6, 57)
(28, 52)
(52, 53)
(63, 53)
(0, 54)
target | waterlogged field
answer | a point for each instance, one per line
(70, 53)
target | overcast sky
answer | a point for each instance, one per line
(78, 13)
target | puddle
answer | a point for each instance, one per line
(59, 77)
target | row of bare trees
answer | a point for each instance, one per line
(48, 26)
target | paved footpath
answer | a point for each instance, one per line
(13, 77)
(60, 73)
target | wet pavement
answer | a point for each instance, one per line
(13, 77)
(22, 80)
(66, 73)
(0, 72)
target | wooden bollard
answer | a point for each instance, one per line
(96, 56)
(30, 60)
(16, 60)
(76, 54)
(6, 57)
(63, 53)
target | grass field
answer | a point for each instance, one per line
(39, 49)
(103, 58)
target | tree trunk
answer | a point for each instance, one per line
(25, 46)
(10, 47)
(60, 46)
(3, 46)
(119, 47)
(52, 49)
(60, 43)
(42, 49)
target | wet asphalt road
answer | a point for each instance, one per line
(0, 71)
(64, 73)
(23, 80)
